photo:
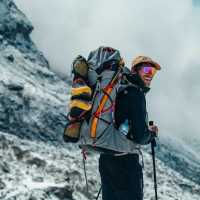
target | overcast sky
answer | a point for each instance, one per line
(166, 30)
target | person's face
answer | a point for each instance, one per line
(146, 73)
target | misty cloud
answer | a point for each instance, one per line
(168, 31)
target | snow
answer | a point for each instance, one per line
(38, 94)
(63, 168)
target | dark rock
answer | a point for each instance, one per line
(63, 193)
(38, 179)
(19, 153)
(15, 87)
(1, 38)
(5, 167)
(185, 187)
(149, 174)
(4, 143)
(32, 198)
(36, 161)
(10, 58)
(2, 185)
(52, 169)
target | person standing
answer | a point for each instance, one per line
(121, 173)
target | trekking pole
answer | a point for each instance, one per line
(99, 193)
(153, 145)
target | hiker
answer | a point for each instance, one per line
(108, 115)
(121, 172)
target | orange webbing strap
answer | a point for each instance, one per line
(108, 89)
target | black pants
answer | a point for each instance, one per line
(121, 177)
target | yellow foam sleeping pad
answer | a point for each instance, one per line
(80, 104)
(73, 130)
(81, 90)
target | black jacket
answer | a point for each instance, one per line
(131, 105)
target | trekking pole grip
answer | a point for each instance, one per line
(153, 142)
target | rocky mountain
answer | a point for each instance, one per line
(35, 164)
(32, 98)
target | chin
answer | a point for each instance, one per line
(147, 84)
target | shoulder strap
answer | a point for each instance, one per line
(107, 91)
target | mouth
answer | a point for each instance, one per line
(148, 79)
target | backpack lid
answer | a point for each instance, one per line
(101, 59)
(103, 55)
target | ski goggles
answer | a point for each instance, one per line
(149, 69)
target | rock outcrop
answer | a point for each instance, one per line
(33, 99)
(15, 30)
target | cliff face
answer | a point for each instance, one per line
(33, 99)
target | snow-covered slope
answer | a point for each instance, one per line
(32, 98)
(179, 156)
(37, 170)
(33, 102)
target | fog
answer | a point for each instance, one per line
(168, 31)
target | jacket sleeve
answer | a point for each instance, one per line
(131, 104)
(137, 115)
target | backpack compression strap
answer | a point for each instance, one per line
(107, 91)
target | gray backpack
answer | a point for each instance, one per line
(105, 73)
